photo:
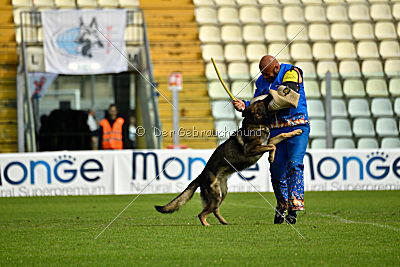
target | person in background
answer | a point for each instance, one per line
(113, 130)
(93, 126)
(132, 132)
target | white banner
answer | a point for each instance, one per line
(170, 171)
(56, 173)
(75, 43)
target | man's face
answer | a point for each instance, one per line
(112, 111)
(269, 74)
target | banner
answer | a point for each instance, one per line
(39, 82)
(170, 171)
(75, 41)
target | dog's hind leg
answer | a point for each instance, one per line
(204, 214)
(219, 216)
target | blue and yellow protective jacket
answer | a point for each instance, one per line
(288, 116)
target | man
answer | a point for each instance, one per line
(284, 84)
(113, 130)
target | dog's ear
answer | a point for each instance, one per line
(239, 138)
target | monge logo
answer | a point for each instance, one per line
(182, 163)
(63, 169)
(376, 165)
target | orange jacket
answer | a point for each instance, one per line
(112, 137)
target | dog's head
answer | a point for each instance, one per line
(257, 111)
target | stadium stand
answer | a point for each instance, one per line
(8, 72)
(357, 41)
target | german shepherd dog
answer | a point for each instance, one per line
(242, 150)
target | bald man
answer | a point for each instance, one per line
(288, 109)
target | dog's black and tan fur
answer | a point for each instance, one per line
(243, 149)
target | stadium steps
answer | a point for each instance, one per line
(8, 73)
(174, 46)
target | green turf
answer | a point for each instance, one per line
(345, 228)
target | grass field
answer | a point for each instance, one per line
(341, 228)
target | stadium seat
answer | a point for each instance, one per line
(30, 34)
(225, 2)
(203, 2)
(314, 13)
(392, 67)
(209, 34)
(280, 51)
(220, 110)
(234, 52)
(372, 68)
(385, 30)
(21, 3)
(293, 13)
(315, 108)
(238, 71)
(389, 49)
(367, 49)
(359, 12)
(271, 14)
(231, 34)
(40, 35)
(131, 3)
(35, 59)
(86, 3)
(367, 143)
(224, 128)
(353, 88)
(318, 128)
(249, 14)
(43, 3)
(358, 107)
(397, 106)
(268, 2)
(324, 66)
(318, 143)
(363, 127)
(108, 3)
(212, 50)
(386, 127)
(394, 86)
(341, 31)
(344, 143)
(246, 2)
(349, 69)
(308, 69)
(275, 33)
(341, 128)
(228, 15)
(301, 51)
(206, 15)
(296, 32)
(338, 108)
(134, 34)
(254, 52)
(381, 12)
(254, 69)
(381, 107)
(345, 50)
(242, 90)
(318, 32)
(376, 88)
(290, 2)
(336, 88)
(253, 34)
(363, 31)
(210, 71)
(323, 51)
(27, 20)
(390, 142)
(396, 11)
(216, 91)
(311, 89)
(336, 13)
(65, 3)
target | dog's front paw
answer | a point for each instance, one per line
(297, 132)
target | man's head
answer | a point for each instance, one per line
(112, 111)
(269, 68)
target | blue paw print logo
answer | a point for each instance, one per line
(378, 154)
(64, 158)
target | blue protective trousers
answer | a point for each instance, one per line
(287, 170)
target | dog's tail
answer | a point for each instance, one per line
(180, 200)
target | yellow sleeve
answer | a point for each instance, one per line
(291, 76)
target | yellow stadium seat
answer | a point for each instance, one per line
(206, 15)
(86, 3)
(234, 52)
(231, 34)
(324, 66)
(254, 52)
(349, 69)
(271, 14)
(359, 12)
(65, 3)
(363, 31)
(314, 13)
(108, 3)
(376, 88)
(385, 30)
(323, 51)
(319, 32)
(212, 50)
(253, 33)
(341, 32)
(228, 15)
(301, 51)
(293, 14)
(389, 49)
(336, 13)
(280, 51)
(238, 71)
(249, 14)
(367, 49)
(209, 34)
(345, 50)
(275, 33)
(372, 68)
(353, 88)
(308, 69)
(392, 67)
(380, 12)
(296, 32)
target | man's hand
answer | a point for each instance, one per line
(239, 105)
